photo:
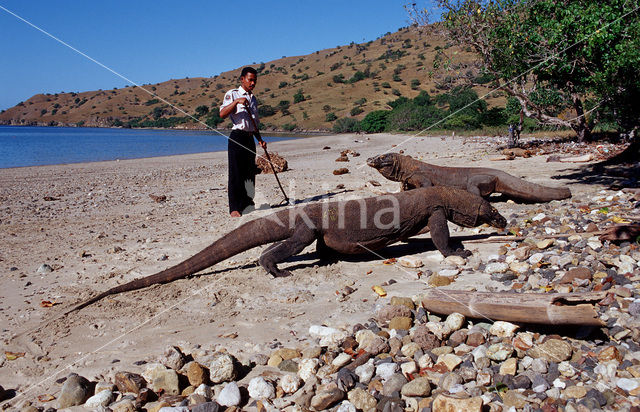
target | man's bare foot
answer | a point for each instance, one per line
(235, 213)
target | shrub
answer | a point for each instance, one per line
(289, 127)
(202, 110)
(375, 122)
(356, 111)
(264, 110)
(346, 125)
(330, 117)
(298, 97)
(282, 84)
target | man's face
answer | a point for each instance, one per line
(249, 81)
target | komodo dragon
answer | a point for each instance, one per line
(350, 227)
(478, 180)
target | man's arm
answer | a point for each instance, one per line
(228, 109)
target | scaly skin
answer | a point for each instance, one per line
(481, 181)
(336, 226)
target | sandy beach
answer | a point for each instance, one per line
(96, 226)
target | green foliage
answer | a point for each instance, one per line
(415, 83)
(282, 84)
(357, 76)
(298, 97)
(375, 122)
(289, 127)
(202, 110)
(330, 117)
(356, 111)
(560, 51)
(346, 125)
(151, 102)
(264, 110)
(338, 78)
(214, 119)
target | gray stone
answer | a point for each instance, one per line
(417, 387)
(499, 351)
(102, 398)
(448, 380)
(325, 398)
(393, 384)
(206, 407)
(75, 391)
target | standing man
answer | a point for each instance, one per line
(241, 105)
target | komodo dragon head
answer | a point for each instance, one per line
(387, 164)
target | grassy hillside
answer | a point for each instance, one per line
(345, 81)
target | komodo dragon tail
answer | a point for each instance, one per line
(525, 191)
(255, 233)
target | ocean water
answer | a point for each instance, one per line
(35, 146)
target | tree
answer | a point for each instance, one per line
(202, 110)
(375, 122)
(550, 54)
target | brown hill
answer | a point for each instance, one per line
(347, 81)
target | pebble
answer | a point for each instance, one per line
(503, 329)
(102, 398)
(417, 387)
(221, 368)
(362, 400)
(290, 383)
(75, 391)
(259, 388)
(229, 395)
(499, 351)
(553, 350)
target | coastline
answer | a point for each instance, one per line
(102, 229)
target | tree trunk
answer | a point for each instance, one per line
(580, 126)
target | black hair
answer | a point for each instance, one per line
(248, 70)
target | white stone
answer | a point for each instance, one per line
(627, 384)
(538, 217)
(328, 336)
(454, 322)
(449, 272)
(536, 258)
(410, 262)
(559, 383)
(385, 370)
(365, 372)
(341, 360)
(436, 328)
(307, 368)
(229, 395)
(174, 409)
(566, 369)
(204, 390)
(503, 329)
(346, 406)
(425, 361)
(102, 398)
(408, 368)
(259, 388)
(435, 256)
(479, 352)
(221, 368)
(496, 267)
(290, 383)
(455, 260)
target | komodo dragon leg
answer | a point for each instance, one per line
(414, 181)
(281, 251)
(440, 235)
(482, 185)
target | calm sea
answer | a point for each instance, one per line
(36, 146)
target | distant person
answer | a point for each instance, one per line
(242, 148)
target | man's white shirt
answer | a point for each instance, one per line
(241, 117)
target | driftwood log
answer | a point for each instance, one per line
(539, 308)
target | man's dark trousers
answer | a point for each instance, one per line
(242, 170)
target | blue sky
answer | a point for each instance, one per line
(154, 41)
